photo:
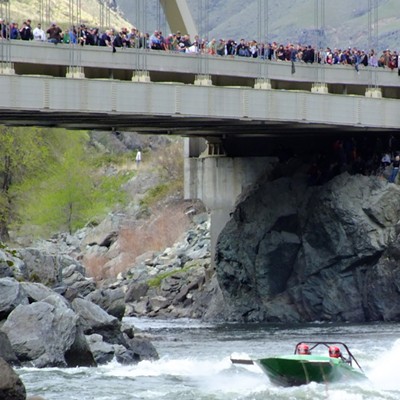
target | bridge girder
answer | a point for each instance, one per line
(179, 17)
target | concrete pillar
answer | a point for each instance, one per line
(262, 83)
(203, 80)
(75, 73)
(319, 88)
(141, 76)
(7, 69)
(194, 146)
(375, 93)
(218, 181)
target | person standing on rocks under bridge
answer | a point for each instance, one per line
(138, 158)
(395, 170)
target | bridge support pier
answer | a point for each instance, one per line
(375, 92)
(319, 88)
(75, 73)
(262, 83)
(141, 76)
(7, 69)
(218, 181)
(203, 80)
(214, 148)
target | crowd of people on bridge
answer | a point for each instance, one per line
(183, 43)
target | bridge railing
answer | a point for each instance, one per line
(36, 58)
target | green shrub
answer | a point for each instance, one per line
(156, 281)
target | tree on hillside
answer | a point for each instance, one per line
(71, 192)
(57, 199)
(22, 153)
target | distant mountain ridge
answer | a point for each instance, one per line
(344, 23)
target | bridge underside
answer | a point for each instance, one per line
(243, 137)
(187, 126)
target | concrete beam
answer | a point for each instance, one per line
(179, 17)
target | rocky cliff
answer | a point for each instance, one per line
(296, 253)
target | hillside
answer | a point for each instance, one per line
(347, 22)
(90, 12)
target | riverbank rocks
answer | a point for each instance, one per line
(11, 386)
(41, 328)
(173, 283)
(315, 254)
(110, 300)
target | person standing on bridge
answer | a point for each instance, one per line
(26, 30)
(38, 33)
(105, 39)
(242, 50)
(54, 33)
(14, 31)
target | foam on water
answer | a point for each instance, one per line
(385, 371)
(184, 367)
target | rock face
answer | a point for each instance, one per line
(316, 254)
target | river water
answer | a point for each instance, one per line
(195, 364)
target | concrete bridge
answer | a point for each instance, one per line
(235, 112)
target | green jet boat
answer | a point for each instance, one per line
(321, 362)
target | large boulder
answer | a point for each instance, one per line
(40, 267)
(36, 291)
(103, 352)
(42, 333)
(94, 319)
(142, 349)
(6, 351)
(73, 277)
(110, 300)
(10, 264)
(11, 386)
(11, 295)
(313, 254)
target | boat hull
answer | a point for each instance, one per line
(299, 370)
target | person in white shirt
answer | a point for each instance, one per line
(138, 158)
(39, 34)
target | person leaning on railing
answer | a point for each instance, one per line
(54, 33)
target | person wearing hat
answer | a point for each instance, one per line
(54, 33)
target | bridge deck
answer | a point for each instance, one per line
(39, 93)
